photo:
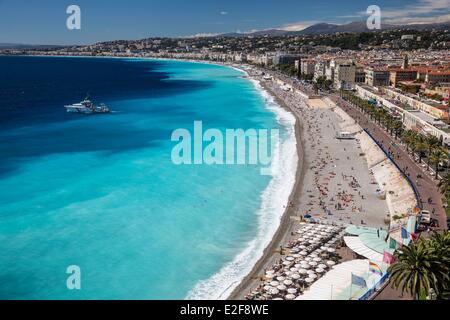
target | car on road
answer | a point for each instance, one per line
(425, 217)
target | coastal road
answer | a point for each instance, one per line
(426, 186)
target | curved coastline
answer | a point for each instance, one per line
(229, 281)
(273, 216)
(274, 213)
(285, 223)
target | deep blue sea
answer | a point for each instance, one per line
(101, 191)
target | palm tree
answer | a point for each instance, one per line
(432, 142)
(436, 157)
(409, 138)
(420, 148)
(417, 270)
(398, 127)
(444, 185)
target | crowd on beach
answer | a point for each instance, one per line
(336, 191)
(339, 189)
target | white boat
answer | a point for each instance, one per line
(87, 107)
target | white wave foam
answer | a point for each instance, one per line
(273, 204)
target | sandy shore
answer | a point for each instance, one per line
(271, 253)
(333, 181)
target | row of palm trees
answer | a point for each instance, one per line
(423, 268)
(425, 146)
(392, 124)
(418, 144)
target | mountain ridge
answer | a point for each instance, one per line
(330, 28)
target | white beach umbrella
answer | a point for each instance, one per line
(274, 283)
(313, 255)
(293, 269)
(287, 282)
(308, 259)
(296, 256)
(312, 263)
(320, 270)
(289, 297)
(267, 288)
(287, 263)
(270, 276)
(303, 271)
(270, 271)
(282, 287)
(298, 265)
(323, 266)
(331, 250)
(290, 258)
(274, 291)
(292, 290)
(309, 280)
(317, 259)
(296, 276)
(306, 266)
(280, 278)
(302, 247)
(313, 276)
(331, 263)
(303, 253)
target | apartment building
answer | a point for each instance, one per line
(307, 67)
(437, 77)
(319, 69)
(399, 75)
(344, 76)
(377, 77)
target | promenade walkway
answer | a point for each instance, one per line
(426, 186)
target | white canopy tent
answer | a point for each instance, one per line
(335, 282)
(355, 244)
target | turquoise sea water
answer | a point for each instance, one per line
(101, 191)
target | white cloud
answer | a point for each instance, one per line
(223, 13)
(424, 11)
(297, 26)
(203, 35)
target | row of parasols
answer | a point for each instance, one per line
(310, 256)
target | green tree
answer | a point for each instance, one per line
(444, 185)
(419, 268)
(437, 156)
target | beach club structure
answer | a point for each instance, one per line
(312, 268)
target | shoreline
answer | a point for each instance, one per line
(285, 214)
(286, 222)
(283, 220)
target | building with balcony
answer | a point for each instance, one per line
(377, 77)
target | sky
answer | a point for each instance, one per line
(44, 21)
